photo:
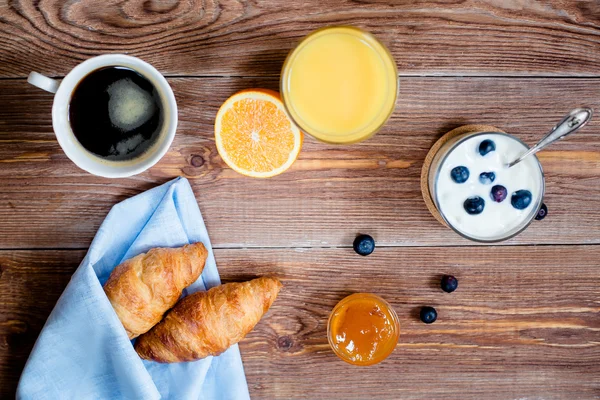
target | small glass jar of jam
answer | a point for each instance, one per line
(363, 329)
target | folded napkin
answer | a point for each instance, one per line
(83, 351)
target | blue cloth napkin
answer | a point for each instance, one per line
(83, 351)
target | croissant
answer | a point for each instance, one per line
(207, 323)
(144, 287)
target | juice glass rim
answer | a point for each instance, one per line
(396, 324)
(453, 146)
(284, 92)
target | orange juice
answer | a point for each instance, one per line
(340, 84)
(363, 329)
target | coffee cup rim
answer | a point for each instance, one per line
(95, 164)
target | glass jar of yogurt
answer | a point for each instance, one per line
(474, 191)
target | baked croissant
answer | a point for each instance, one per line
(144, 287)
(207, 323)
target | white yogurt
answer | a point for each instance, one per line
(497, 220)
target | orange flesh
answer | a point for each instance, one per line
(256, 135)
(363, 331)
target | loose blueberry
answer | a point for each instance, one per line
(474, 205)
(498, 193)
(487, 178)
(459, 174)
(543, 211)
(364, 245)
(449, 283)
(486, 146)
(521, 199)
(428, 315)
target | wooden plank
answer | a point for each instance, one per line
(524, 322)
(330, 194)
(30, 284)
(230, 37)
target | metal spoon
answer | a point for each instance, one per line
(574, 120)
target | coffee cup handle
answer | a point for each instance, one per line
(43, 82)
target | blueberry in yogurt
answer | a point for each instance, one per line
(474, 205)
(498, 193)
(487, 178)
(486, 146)
(521, 199)
(460, 174)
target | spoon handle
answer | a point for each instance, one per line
(574, 120)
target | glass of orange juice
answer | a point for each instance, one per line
(340, 84)
(363, 329)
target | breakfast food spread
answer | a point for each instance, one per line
(340, 86)
(479, 195)
(144, 287)
(363, 329)
(207, 323)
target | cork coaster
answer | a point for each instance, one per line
(433, 151)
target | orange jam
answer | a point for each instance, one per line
(363, 329)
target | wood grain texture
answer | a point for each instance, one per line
(331, 192)
(252, 38)
(524, 322)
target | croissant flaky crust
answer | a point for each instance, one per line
(144, 287)
(208, 323)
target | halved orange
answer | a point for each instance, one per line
(254, 134)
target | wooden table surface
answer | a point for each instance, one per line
(525, 321)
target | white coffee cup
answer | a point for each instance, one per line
(69, 143)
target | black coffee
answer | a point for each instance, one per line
(116, 113)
